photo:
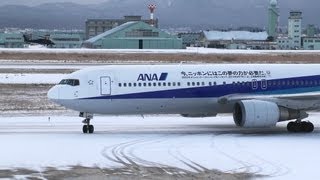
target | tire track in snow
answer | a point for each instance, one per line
(123, 155)
(245, 167)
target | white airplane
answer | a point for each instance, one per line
(258, 95)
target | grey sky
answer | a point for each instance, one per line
(37, 2)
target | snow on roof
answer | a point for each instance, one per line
(235, 35)
(111, 31)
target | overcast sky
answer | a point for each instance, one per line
(37, 2)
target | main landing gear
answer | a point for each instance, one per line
(300, 126)
(87, 128)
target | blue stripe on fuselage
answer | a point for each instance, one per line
(222, 90)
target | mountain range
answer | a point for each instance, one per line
(171, 13)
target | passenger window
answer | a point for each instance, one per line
(193, 83)
(198, 83)
(203, 83)
(174, 84)
(144, 84)
(149, 84)
(164, 84)
(215, 83)
(179, 84)
(188, 83)
(130, 84)
(125, 84)
(169, 84)
(154, 84)
(210, 83)
(135, 84)
(119, 84)
(139, 84)
(159, 84)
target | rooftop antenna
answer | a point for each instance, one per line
(152, 8)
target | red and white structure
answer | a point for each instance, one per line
(152, 8)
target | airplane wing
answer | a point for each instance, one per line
(287, 100)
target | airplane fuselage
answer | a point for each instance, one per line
(181, 89)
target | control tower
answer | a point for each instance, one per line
(273, 18)
(294, 28)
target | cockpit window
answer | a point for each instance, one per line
(71, 82)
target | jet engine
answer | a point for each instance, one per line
(261, 114)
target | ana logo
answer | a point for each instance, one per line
(153, 77)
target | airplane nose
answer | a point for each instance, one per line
(53, 93)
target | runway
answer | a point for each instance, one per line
(44, 141)
(170, 143)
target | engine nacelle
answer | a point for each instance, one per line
(257, 113)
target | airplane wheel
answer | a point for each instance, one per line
(91, 129)
(85, 129)
(307, 127)
(297, 127)
(290, 126)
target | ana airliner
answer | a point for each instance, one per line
(258, 95)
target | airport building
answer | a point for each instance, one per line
(236, 40)
(66, 40)
(273, 19)
(95, 27)
(190, 39)
(311, 30)
(294, 38)
(11, 40)
(134, 35)
(311, 43)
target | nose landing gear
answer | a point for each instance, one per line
(87, 128)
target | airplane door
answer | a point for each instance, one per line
(105, 85)
(254, 84)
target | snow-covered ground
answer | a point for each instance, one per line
(37, 142)
(56, 65)
(213, 143)
(166, 51)
(30, 78)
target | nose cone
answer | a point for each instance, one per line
(53, 94)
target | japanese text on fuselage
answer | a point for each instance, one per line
(225, 74)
